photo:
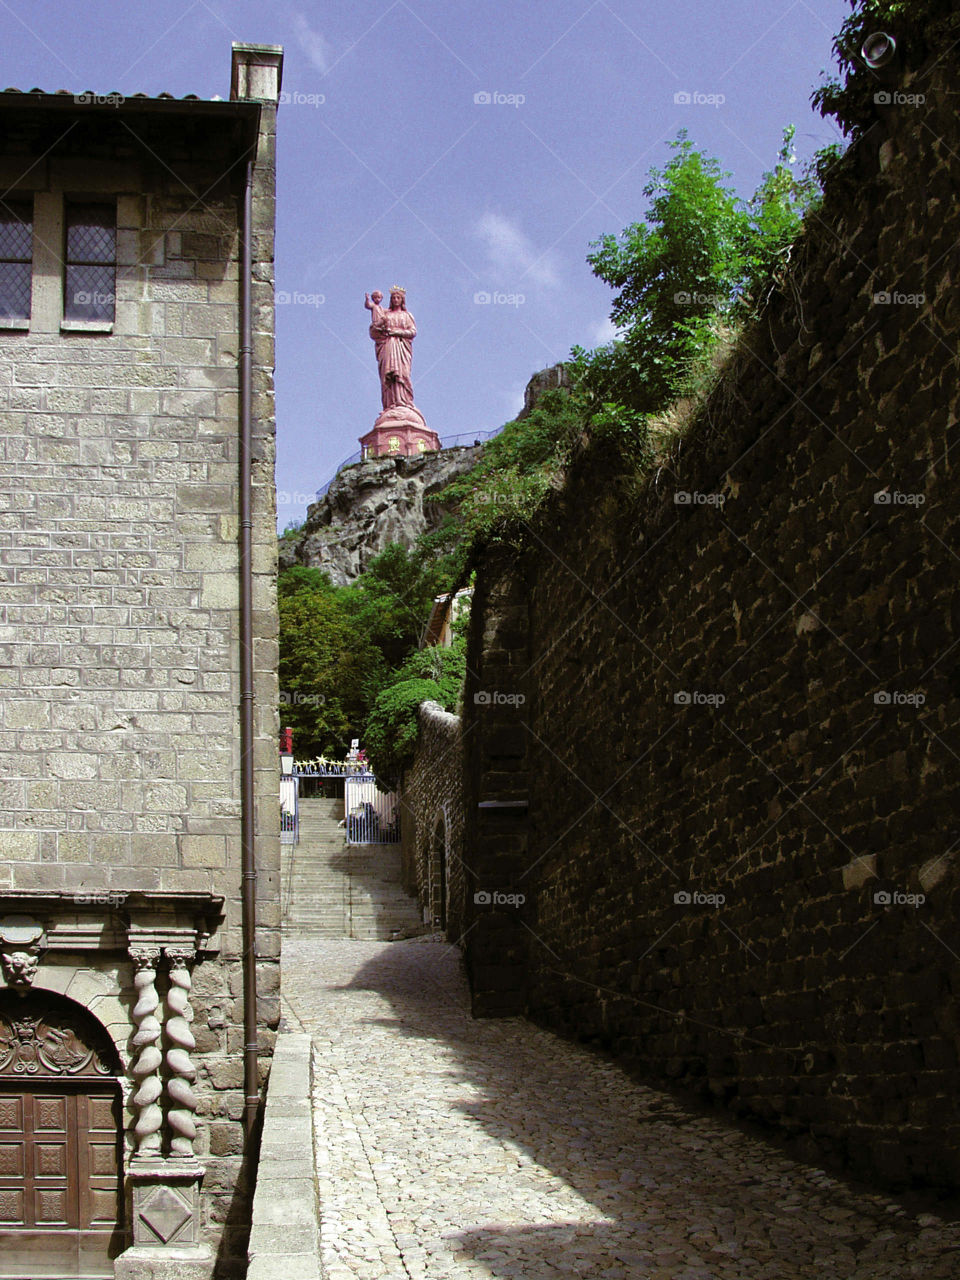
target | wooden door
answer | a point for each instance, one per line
(60, 1155)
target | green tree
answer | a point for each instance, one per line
(391, 601)
(328, 668)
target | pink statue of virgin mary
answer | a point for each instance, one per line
(393, 330)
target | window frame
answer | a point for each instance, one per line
(24, 202)
(76, 323)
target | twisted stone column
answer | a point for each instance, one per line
(182, 1071)
(145, 1070)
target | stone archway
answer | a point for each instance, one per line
(61, 1200)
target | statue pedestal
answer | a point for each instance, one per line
(400, 416)
(399, 431)
(166, 1223)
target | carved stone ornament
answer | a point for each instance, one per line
(20, 966)
(21, 939)
(44, 1043)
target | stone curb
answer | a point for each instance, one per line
(284, 1234)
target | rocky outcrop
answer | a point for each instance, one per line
(371, 504)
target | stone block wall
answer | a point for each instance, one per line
(119, 591)
(741, 864)
(432, 820)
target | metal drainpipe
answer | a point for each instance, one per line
(251, 1083)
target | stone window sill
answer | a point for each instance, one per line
(20, 325)
(86, 326)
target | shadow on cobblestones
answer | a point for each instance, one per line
(498, 1150)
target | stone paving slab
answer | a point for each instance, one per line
(449, 1148)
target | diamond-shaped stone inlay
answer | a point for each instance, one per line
(164, 1212)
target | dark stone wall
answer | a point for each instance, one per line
(432, 820)
(740, 865)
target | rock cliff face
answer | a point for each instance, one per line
(370, 505)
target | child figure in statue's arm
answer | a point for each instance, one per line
(372, 302)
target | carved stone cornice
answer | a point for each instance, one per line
(111, 920)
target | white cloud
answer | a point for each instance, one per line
(605, 332)
(317, 47)
(512, 254)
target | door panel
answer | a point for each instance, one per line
(59, 1181)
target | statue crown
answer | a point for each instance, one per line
(396, 288)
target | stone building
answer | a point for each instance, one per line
(139, 840)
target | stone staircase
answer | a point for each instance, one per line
(333, 890)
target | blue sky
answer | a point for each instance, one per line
(465, 150)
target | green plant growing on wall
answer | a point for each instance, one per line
(702, 260)
(921, 29)
(390, 736)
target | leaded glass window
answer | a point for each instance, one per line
(91, 262)
(16, 259)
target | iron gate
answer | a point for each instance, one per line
(371, 816)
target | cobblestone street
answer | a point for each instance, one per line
(448, 1147)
